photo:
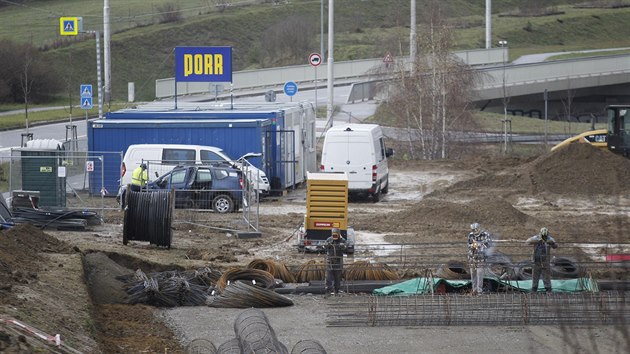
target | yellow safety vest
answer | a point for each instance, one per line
(139, 177)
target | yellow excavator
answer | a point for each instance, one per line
(616, 138)
(619, 129)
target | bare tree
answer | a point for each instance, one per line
(433, 99)
(287, 42)
(26, 81)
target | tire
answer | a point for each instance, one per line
(565, 267)
(350, 250)
(376, 197)
(223, 204)
(500, 266)
(523, 270)
(386, 189)
(453, 270)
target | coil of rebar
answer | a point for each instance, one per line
(308, 346)
(278, 270)
(257, 277)
(243, 295)
(255, 334)
(364, 270)
(311, 270)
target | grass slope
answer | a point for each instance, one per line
(142, 50)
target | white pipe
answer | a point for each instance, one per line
(106, 52)
(331, 77)
(488, 24)
(412, 35)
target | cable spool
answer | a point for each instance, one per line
(149, 217)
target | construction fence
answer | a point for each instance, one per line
(73, 180)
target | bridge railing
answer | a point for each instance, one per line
(274, 77)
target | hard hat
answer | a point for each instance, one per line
(544, 231)
(335, 231)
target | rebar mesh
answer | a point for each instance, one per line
(499, 309)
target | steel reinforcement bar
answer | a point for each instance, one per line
(502, 309)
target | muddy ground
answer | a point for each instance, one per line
(60, 282)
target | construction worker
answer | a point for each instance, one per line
(478, 244)
(543, 242)
(139, 177)
(335, 246)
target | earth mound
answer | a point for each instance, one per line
(20, 249)
(576, 170)
(581, 169)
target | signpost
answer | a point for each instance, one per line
(315, 59)
(86, 100)
(290, 89)
(388, 59)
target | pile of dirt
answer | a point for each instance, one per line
(577, 170)
(434, 214)
(581, 169)
(20, 257)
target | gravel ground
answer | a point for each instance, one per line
(307, 320)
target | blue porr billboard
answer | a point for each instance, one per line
(203, 64)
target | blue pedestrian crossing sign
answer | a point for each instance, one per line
(86, 90)
(86, 103)
(68, 26)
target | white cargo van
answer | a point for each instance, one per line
(161, 158)
(358, 150)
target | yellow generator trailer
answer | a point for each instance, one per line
(326, 208)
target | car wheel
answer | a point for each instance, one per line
(386, 189)
(376, 196)
(223, 204)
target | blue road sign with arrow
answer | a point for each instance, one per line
(290, 88)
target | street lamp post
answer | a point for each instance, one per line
(506, 122)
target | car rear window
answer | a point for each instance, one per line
(204, 175)
(221, 173)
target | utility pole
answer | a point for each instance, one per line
(488, 24)
(99, 78)
(507, 123)
(321, 29)
(331, 83)
(107, 54)
(412, 36)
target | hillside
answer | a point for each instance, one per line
(142, 44)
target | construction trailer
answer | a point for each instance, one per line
(283, 133)
(326, 208)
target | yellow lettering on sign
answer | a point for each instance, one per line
(203, 64)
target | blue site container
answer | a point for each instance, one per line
(235, 137)
(290, 141)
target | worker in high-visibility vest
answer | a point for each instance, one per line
(139, 177)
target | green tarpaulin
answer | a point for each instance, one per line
(427, 285)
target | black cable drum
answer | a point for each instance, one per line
(149, 217)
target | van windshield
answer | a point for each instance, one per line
(208, 156)
(353, 153)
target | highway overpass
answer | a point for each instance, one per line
(587, 83)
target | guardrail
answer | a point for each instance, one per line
(274, 77)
